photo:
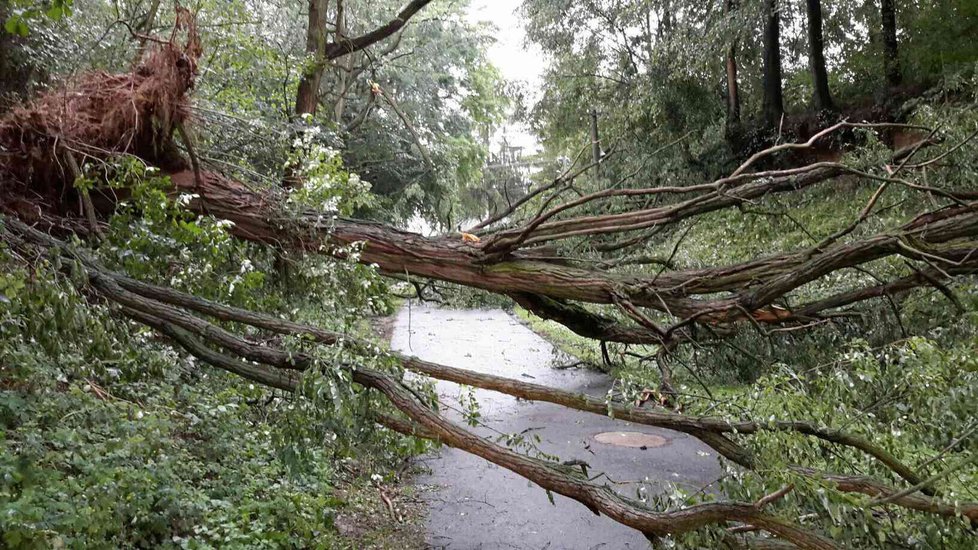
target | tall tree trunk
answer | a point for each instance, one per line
(344, 70)
(891, 61)
(595, 146)
(733, 92)
(307, 97)
(665, 23)
(816, 57)
(321, 52)
(773, 101)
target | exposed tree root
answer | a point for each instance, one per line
(98, 115)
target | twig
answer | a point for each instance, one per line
(775, 496)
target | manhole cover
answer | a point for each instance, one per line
(631, 439)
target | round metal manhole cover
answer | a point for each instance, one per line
(638, 440)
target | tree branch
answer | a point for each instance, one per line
(343, 46)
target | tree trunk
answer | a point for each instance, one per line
(773, 101)
(307, 97)
(595, 146)
(816, 57)
(320, 51)
(733, 92)
(755, 284)
(170, 312)
(891, 61)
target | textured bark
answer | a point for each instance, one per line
(307, 97)
(746, 291)
(600, 500)
(321, 52)
(346, 46)
(733, 92)
(583, 322)
(891, 59)
(773, 104)
(822, 97)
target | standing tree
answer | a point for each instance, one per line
(733, 93)
(321, 52)
(891, 61)
(307, 97)
(816, 57)
(773, 100)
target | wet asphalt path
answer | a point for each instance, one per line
(477, 505)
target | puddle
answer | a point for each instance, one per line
(631, 439)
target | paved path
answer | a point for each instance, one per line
(477, 505)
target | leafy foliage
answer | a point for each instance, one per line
(112, 437)
(912, 398)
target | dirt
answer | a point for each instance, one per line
(381, 516)
(383, 326)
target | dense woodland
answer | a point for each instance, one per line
(760, 217)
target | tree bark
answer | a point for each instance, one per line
(891, 60)
(160, 308)
(754, 285)
(773, 107)
(307, 97)
(822, 97)
(733, 92)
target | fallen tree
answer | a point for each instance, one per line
(165, 310)
(47, 143)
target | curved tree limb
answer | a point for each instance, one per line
(142, 296)
(150, 309)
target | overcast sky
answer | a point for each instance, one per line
(516, 59)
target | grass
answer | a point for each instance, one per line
(626, 369)
(562, 338)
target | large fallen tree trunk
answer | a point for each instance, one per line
(169, 308)
(97, 115)
(747, 290)
(166, 310)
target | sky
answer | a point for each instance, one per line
(515, 58)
